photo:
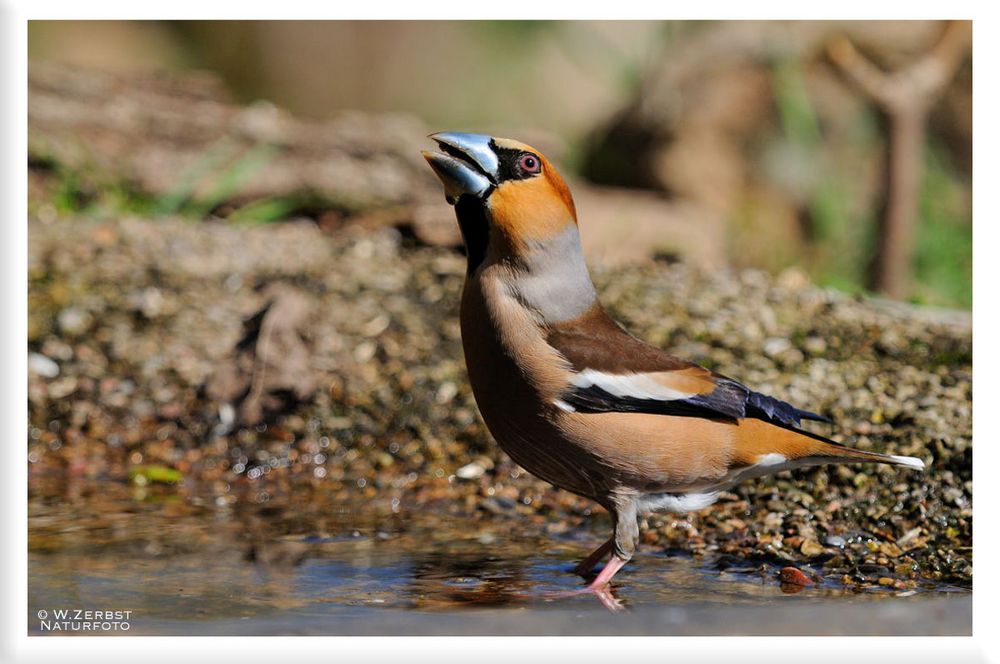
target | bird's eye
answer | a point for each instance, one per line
(529, 163)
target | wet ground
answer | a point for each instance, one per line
(185, 568)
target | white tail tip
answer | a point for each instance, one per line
(909, 462)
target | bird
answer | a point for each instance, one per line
(572, 396)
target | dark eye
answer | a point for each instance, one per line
(529, 163)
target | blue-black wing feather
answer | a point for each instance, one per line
(730, 400)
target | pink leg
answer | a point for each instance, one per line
(609, 571)
(588, 563)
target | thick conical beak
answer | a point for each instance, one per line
(467, 166)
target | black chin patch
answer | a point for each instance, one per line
(472, 222)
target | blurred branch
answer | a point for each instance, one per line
(920, 83)
(905, 97)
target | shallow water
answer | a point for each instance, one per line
(188, 569)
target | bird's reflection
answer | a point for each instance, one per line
(443, 580)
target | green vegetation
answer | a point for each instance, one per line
(841, 244)
(208, 188)
(843, 239)
(944, 238)
(150, 474)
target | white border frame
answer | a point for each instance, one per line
(16, 646)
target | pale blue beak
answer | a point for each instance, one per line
(468, 165)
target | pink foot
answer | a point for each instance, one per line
(608, 599)
(604, 594)
(599, 587)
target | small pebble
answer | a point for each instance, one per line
(42, 366)
(794, 576)
(74, 321)
(811, 548)
(776, 346)
(470, 471)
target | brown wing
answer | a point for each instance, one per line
(615, 371)
(595, 341)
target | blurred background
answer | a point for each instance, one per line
(754, 144)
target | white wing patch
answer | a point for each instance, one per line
(637, 386)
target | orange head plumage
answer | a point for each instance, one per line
(505, 192)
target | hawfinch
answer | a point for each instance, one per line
(567, 392)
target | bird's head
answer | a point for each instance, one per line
(505, 193)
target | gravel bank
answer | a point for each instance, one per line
(131, 321)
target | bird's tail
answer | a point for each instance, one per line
(804, 448)
(838, 453)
